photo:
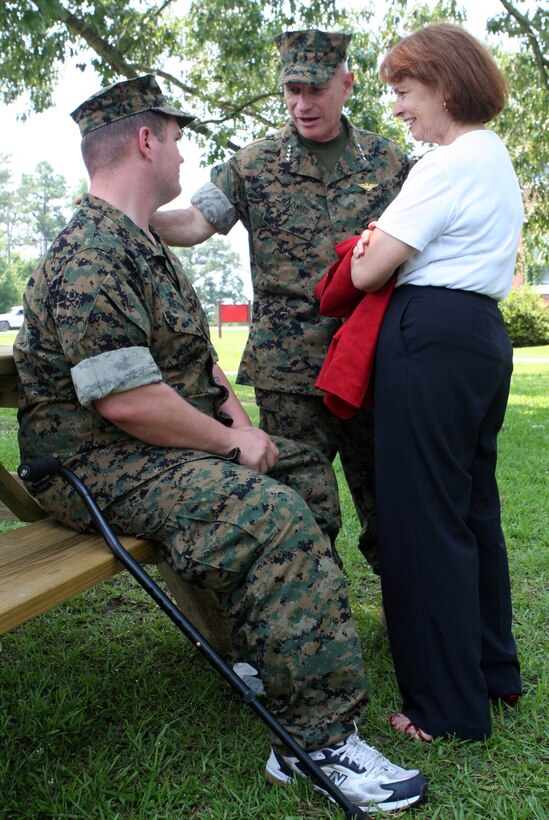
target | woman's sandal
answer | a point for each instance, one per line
(403, 724)
(509, 700)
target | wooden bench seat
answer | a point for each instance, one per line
(43, 563)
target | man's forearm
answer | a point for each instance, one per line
(184, 227)
(374, 261)
(157, 415)
(210, 212)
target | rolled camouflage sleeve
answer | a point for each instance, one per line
(114, 372)
(215, 207)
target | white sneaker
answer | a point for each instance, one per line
(365, 777)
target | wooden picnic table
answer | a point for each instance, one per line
(9, 381)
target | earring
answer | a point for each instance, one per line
(445, 106)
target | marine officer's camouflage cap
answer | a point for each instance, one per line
(310, 56)
(124, 99)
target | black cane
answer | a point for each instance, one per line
(40, 468)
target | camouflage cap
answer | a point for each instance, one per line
(310, 56)
(124, 99)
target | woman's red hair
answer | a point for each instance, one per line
(447, 57)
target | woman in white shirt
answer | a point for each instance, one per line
(443, 370)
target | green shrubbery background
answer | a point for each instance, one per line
(526, 318)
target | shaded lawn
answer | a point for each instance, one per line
(106, 711)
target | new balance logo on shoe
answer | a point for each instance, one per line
(338, 778)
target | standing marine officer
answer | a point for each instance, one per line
(298, 192)
(119, 380)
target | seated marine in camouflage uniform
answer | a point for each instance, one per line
(120, 381)
(299, 191)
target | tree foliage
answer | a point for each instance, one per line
(218, 58)
(9, 292)
(14, 276)
(8, 212)
(219, 54)
(215, 271)
(32, 213)
(41, 198)
(524, 123)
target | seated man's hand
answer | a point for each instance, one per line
(257, 451)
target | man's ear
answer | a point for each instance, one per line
(348, 80)
(144, 140)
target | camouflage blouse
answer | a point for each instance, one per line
(295, 212)
(104, 287)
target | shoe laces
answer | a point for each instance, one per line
(357, 752)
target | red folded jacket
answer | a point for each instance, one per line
(346, 375)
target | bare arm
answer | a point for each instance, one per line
(182, 228)
(157, 415)
(375, 258)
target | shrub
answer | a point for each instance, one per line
(526, 318)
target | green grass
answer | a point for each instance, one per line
(542, 351)
(107, 712)
(230, 346)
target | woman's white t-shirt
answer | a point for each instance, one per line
(461, 208)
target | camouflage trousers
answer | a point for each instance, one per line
(255, 542)
(306, 419)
